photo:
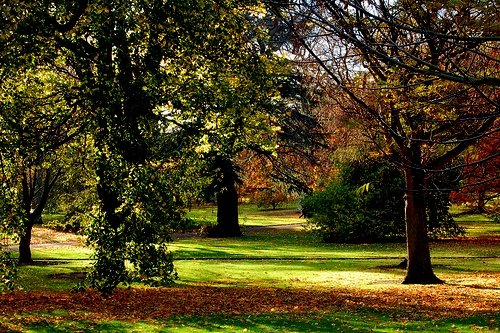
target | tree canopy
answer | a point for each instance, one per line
(422, 77)
(160, 84)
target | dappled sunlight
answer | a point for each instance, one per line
(360, 279)
(42, 235)
(280, 278)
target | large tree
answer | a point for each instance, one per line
(235, 98)
(423, 76)
(117, 53)
(159, 79)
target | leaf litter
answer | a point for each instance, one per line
(434, 301)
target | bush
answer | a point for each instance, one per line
(366, 204)
(8, 271)
(334, 214)
(363, 205)
(73, 222)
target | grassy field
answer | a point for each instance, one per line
(251, 215)
(270, 280)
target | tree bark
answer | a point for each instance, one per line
(481, 202)
(36, 190)
(227, 201)
(24, 243)
(419, 268)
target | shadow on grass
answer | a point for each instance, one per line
(76, 276)
(46, 263)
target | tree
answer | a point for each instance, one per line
(36, 118)
(151, 73)
(423, 77)
(115, 52)
(234, 102)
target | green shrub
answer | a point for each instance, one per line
(334, 213)
(366, 204)
(73, 222)
(8, 271)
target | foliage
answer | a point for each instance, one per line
(11, 219)
(480, 185)
(421, 77)
(38, 116)
(366, 204)
(233, 103)
(271, 197)
(440, 222)
(259, 185)
(71, 222)
(8, 271)
(135, 249)
(74, 194)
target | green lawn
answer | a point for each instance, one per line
(288, 259)
(251, 215)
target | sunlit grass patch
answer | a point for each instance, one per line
(279, 244)
(251, 215)
(285, 274)
(481, 228)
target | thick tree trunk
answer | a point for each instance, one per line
(24, 244)
(227, 201)
(419, 268)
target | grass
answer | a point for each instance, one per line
(342, 321)
(479, 228)
(251, 215)
(54, 216)
(52, 275)
(283, 258)
(287, 259)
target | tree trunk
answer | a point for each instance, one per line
(37, 184)
(227, 201)
(24, 243)
(419, 268)
(481, 202)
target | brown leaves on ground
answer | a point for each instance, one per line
(482, 241)
(41, 235)
(141, 304)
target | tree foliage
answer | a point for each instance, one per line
(162, 83)
(422, 76)
(38, 115)
(480, 182)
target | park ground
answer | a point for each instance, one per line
(277, 278)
